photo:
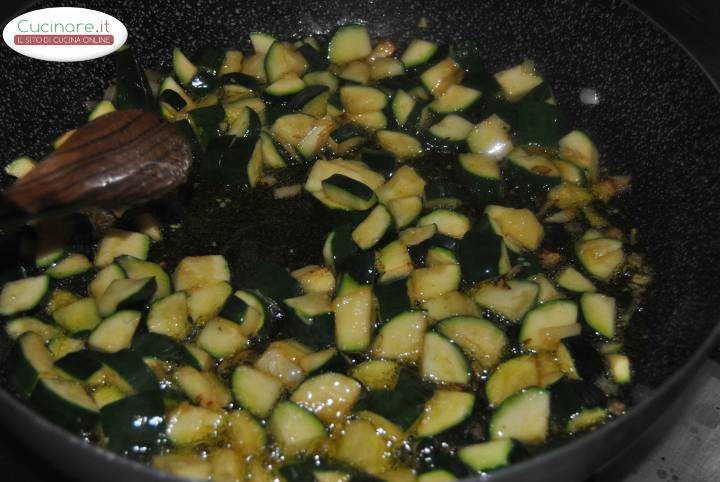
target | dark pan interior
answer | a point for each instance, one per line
(657, 120)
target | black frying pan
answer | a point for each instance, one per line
(658, 120)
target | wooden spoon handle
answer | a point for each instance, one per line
(120, 159)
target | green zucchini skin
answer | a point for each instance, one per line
(392, 299)
(131, 368)
(570, 397)
(132, 90)
(163, 347)
(379, 160)
(207, 121)
(316, 332)
(480, 253)
(80, 364)
(274, 282)
(238, 78)
(403, 404)
(134, 424)
(63, 412)
(540, 124)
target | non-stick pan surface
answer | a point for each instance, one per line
(657, 120)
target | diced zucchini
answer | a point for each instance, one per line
(356, 72)
(480, 174)
(101, 108)
(572, 280)
(329, 396)
(545, 325)
(519, 227)
(19, 167)
(445, 410)
(169, 316)
(486, 456)
(418, 52)
(577, 148)
(372, 228)
(601, 257)
(404, 182)
(65, 402)
(377, 374)
(245, 433)
(63, 345)
(510, 377)
(153, 346)
(457, 98)
(31, 361)
(117, 242)
(255, 390)
(245, 309)
(405, 210)
(71, 265)
(518, 81)
(448, 222)
(232, 62)
(184, 69)
(221, 338)
(401, 338)
(295, 429)
(322, 78)
(358, 99)
(354, 316)
(18, 326)
(202, 388)
(104, 278)
(79, 316)
(281, 60)
(349, 192)
(23, 294)
(512, 299)
(348, 43)
(188, 424)
(115, 332)
(547, 290)
(404, 146)
(523, 417)
(364, 447)
(394, 262)
(428, 283)
(482, 341)
(261, 41)
(450, 132)
(315, 279)
(453, 303)
(199, 271)
(206, 302)
(600, 312)
(438, 78)
(442, 361)
(532, 172)
(491, 137)
(619, 368)
(403, 106)
(273, 155)
(125, 294)
(138, 269)
(385, 68)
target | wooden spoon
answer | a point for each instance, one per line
(121, 159)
